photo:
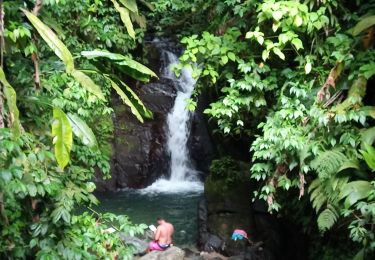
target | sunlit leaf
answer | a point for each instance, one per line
(88, 83)
(62, 137)
(52, 40)
(11, 97)
(369, 156)
(126, 64)
(355, 191)
(130, 4)
(125, 18)
(279, 53)
(82, 130)
(308, 68)
(126, 100)
(362, 25)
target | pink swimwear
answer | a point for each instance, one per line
(154, 245)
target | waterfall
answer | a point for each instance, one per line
(183, 176)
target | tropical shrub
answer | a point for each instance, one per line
(300, 71)
(53, 90)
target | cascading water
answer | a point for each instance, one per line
(183, 176)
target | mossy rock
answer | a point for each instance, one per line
(227, 178)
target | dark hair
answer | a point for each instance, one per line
(160, 218)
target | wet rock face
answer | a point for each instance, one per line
(201, 146)
(227, 207)
(140, 154)
(139, 149)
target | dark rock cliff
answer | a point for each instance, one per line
(140, 155)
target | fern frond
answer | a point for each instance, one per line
(319, 201)
(328, 163)
(327, 218)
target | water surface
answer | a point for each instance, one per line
(179, 209)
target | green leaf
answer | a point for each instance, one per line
(231, 56)
(308, 68)
(279, 53)
(137, 102)
(126, 64)
(360, 255)
(298, 21)
(11, 97)
(277, 15)
(126, 100)
(327, 219)
(62, 137)
(130, 4)
(369, 156)
(355, 191)
(82, 130)
(87, 83)
(148, 5)
(349, 165)
(260, 39)
(265, 54)
(102, 54)
(297, 43)
(32, 189)
(367, 136)
(362, 25)
(52, 40)
(125, 18)
(224, 59)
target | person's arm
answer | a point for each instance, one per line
(157, 234)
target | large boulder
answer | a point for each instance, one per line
(226, 206)
(212, 256)
(140, 246)
(173, 253)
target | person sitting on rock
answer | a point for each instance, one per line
(162, 236)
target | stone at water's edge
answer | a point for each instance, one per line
(139, 245)
(173, 253)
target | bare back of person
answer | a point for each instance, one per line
(162, 237)
(164, 233)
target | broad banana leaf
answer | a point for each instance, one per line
(137, 102)
(11, 97)
(52, 40)
(82, 130)
(87, 83)
(130, 4)
(126, 100)
(369, 156)
(64, 54)
(362, 25)
(133, 97)
(139, 19)
(148, 5)
(62, 137)
(125, 18)
(125, 64)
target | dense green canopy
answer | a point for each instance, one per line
(292, 78)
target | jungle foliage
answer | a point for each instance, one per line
(60, 61)
(302, 72)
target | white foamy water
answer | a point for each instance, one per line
(183, 176)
